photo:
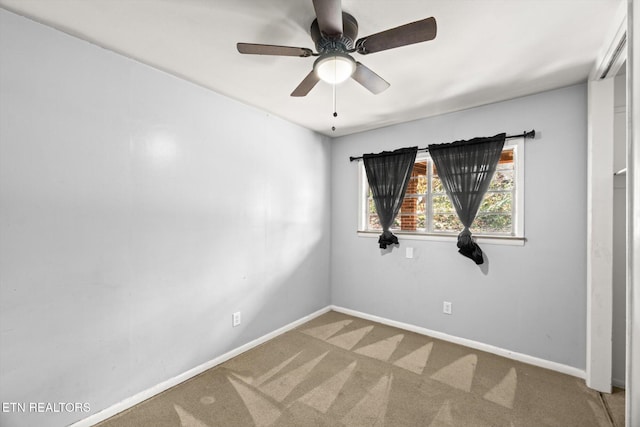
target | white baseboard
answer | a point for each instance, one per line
(165, 385)
(520, 357)
(618, 383)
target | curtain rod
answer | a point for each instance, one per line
(530, 134)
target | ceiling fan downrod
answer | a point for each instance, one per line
(339, 42)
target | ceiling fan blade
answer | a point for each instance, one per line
(306, 85)
(370, 80)
(329, 14)
(268, 49)
(415, 32)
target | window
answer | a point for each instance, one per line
(427, 210)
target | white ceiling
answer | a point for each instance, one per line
(485, 50)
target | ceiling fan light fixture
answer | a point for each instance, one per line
(335, 67)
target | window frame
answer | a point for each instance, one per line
(517, 238)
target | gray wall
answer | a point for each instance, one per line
(138, 211)
(532, 298)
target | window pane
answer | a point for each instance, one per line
(409, 213)
(417, 182)
(442, 204)
(422, 184)
(374, 222)
(396, 224)
(372, 207)
(419, 168)
(447, 222)
(436, 185)
(506, 158)
(496, 202)
(502, 180)
(493, 223)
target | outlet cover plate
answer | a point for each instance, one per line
(446, 307)
(236, 319)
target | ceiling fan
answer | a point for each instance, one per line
(334, 32)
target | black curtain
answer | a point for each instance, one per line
(466, 169)
(388, 174)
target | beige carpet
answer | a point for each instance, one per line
(338, 370)
(615, 403)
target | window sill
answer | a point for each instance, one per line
(480, 239)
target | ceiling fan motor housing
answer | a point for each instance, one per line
(326, 43)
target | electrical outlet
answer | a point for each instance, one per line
(409, 252)
(236, 319)
(446, 307)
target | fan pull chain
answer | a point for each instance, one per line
(335, 113)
